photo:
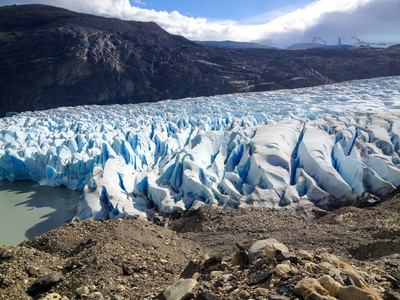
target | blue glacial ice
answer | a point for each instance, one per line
(329, 145)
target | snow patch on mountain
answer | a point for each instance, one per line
(330, 145)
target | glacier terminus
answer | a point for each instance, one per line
(329, 146)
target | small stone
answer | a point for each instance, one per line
(96, 295)
(211, 264)
(354, 293)
(285, 262)
(120, 288)
(32, 271)
(44, 283)
(259, 262)
(364, 274)
(261, 291)
(83, 290)
(241, 258)
(6, 254)
(127, 270)
(277, 297)
(260, 278)
(302, 254)
(385, 284)
(52, 296)
(309, 267)
(227, 277)
(274, 249)
(206, 296)
(356, 279)
(163, 261)
(190, 270)
(327, 265)
(265, 249)
(330, 285)
(244, 294)
(159, 220)
(330, 258)
(332, 273)
(179, 289)
(286, 289)
(335, 273)
(287, 256)
(310, 286)
(224, 266)
(282, 269)
(215, 274)
(227, 288)
(92, 288)
(396, 275)
(117, 297)
(204, 257)
(349, 281)
(393, 281)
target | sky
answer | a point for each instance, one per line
(275, 22)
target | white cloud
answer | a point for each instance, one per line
(371, 20)
(139, 2)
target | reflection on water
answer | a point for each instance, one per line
(28, 210)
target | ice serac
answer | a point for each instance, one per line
(315, 159)
(332, 146)
(270, 165)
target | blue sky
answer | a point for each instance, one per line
(277, 23)
(237, 10)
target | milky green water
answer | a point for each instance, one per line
(28, 210)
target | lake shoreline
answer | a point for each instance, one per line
(28, 210)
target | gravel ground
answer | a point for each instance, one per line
(134, 259)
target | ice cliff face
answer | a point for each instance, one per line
(331, 145)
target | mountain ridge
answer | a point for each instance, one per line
(235, 45)
(69, 58)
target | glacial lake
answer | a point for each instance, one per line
(28, 209)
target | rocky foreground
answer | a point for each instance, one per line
(304, 253)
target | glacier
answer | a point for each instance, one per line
(329, 146)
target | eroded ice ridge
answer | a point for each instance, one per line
(330, 145)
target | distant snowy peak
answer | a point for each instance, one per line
(352, 42)
(331, 145)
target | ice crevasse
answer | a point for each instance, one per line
(330, 145)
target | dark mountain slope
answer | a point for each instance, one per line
(52, 57)
(234, 45)
(23, 19)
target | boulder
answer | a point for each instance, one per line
(353, 293)
(179, 289)
(83, 290)
(310, 288)
(302, 254)
(266, 249)
(282, 269)
(330, 285)
(44, 283)
(330, 258)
